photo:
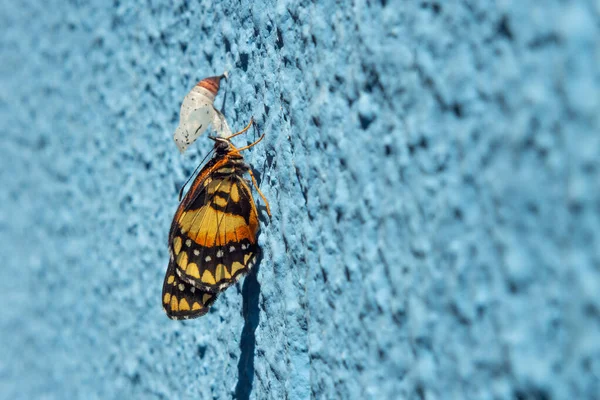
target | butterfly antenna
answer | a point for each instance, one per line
(193, 173)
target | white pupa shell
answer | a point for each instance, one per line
(220, 124)
(198, 112)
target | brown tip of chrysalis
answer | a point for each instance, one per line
(211, 84)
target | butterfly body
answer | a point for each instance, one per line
(212, 240)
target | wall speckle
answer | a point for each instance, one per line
(431, 169)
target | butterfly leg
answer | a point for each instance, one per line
(243, 130)
(259, 192)
(252, 144)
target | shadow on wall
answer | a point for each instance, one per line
(250, 294)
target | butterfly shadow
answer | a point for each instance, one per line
(251, 312)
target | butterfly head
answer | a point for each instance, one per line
(222, 145)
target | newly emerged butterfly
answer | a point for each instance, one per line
(213, 236)
(198, 112)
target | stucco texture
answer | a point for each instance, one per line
(432, 170)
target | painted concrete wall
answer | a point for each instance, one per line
(432, 168)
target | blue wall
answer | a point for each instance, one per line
(432, 168)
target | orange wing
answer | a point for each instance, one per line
(213, 236)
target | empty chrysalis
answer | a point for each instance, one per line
(198, 112)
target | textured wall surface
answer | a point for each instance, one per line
(432, 168)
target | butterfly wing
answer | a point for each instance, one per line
(213, 238)
(182, 300)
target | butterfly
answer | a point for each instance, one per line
(212, 240)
